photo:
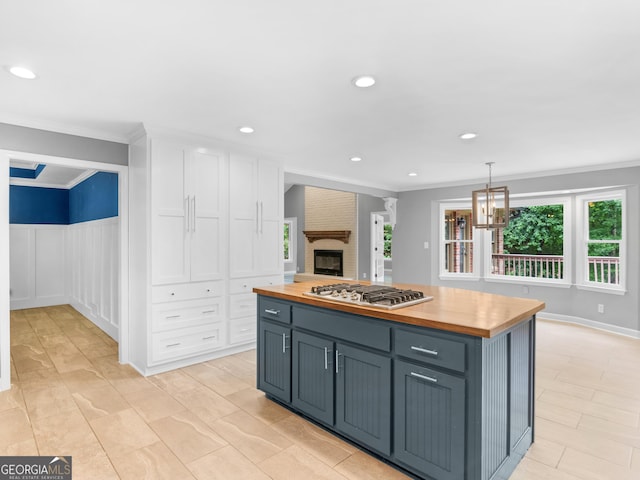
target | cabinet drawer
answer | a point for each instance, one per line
(274, 310)
(242, 330)
(169, 316)
(350, 328)
(244, 305)
(246, 285)
(187, 291)
(186, 342)
(431, 349)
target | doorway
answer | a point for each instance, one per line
(380, 250)
(121, 239)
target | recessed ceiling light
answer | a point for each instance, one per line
(22, 72)
(468, 135)
(356, 159)
(364, 81)
(246, 129)
(413, 174)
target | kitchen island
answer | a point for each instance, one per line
(443, 389)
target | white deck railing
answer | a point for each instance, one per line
(601, 269)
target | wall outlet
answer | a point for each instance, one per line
(600, 308)
(364, 275)
(426, 245)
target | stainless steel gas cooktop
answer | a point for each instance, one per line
(379, 296)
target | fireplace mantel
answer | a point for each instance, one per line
(313, 235)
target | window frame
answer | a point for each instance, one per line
(582, 250)
(442, 242)
(567, 243)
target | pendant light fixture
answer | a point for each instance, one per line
(491, 205)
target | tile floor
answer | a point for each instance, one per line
(71, 397)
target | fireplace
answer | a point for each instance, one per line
(327, 262)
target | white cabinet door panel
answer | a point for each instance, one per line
(169, 250)
(206, 261)
(241, 248)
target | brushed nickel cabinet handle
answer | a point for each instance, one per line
(173, 344)
(272, 312)
(284, 343)
(424, 350)
(424, 377)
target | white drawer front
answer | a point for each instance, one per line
(244, 305)
(187, 342)
(242, 330)
(169, 316)
(187, 291)
(246, 285)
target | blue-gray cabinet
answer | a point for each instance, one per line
(313, 376)
(274, 353)
(363, 396)
(436, 404)
(429, 420)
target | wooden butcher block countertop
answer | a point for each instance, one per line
(452, 309)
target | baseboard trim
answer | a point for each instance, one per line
(627, 332)
(38, 302)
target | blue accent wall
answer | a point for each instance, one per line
(38, 205)
(95, 198)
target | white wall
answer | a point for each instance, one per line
(37, 265)
(75, 264)
(93, 272)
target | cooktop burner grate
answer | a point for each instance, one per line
(382, 296)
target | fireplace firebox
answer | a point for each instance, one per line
(327, 262)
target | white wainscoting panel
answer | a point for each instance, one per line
(38, 265)
(93, 250)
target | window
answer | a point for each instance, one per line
(289, 247)
(536, 245)
(602, 247)
(457, 242)
(388, 233)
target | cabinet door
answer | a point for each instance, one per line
(169, 222)
(207, 191)
(363, 396)
(313, 376)
(429, 421)
(274, 360)
(243, 215)
(269, 257)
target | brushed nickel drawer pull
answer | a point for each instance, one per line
(272, 312)
(173, 316)
(242, 330)
(424, 377)
(208, 311)
(424, 350)
(173, 344)
(209, 337)
(326, 361)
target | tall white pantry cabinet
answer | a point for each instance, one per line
(206, 227)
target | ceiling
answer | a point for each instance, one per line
(51, 176)
(547, 85)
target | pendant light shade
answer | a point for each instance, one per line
(490, 205)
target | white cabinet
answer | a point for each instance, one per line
(188, 209)
(256, 212)
(255, 217)
(205, 228)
